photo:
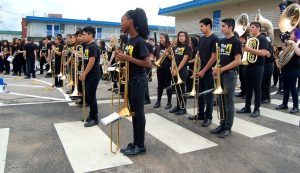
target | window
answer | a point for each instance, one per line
(56, 30)
(62, 28)
(49, 30)
(99, 33)
(216, 20)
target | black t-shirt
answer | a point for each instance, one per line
(180, 51)
(270, 59)
(294, 63)
(30, 48)
(59, 48)
(207, 46)
(263, 44)
(137, 49)
(229, 48)
(158, 52)
(93, 50)
(44, 49)
(109, 54)
(14, 49)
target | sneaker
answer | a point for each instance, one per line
(244, 110)
(216, 130)
(168, 106)
(224, 133)
(294, 110)
(135, 151)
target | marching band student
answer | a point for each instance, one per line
(43, 55)
(254, 71)
(5, 54)
(207, 51)
(163, 72)
(189, 83)
(134, 22)
(31, 55)
(57, 50)
(182, 53)
(14, 51)
(290, 73)
(230, 59)
(91, 73)
(111, 57)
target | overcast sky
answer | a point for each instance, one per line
(12, 11)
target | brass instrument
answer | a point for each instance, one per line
(71, 73)
(218, 87)
(79, 52)
(289, 20)
(106, 73)
(242, 24)
(265, 24)
(165, 54)
(250, 57)
(179, 81)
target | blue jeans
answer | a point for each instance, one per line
(289, 78)
(136, 96)
(91, 84)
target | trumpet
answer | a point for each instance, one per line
(165, 54)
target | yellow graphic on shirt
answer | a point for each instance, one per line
(86, 53)
(130, 50)
(57, 49)
(179, 50)
(226, 49)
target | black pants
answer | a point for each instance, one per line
(189, 80)
(206, 83)
(6, 65)
(147, 95)
(164, 79)
(42, 62)
(91, 84)
(266, 82)
(30, 61)
(24, 65)
(275, 75)
(1, 65)
(289, 85)
(242, 78)
(58, 82)
(15, 65)
(180, 89)
(254, 75)
(136, 96)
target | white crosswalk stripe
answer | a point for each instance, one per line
(88, 148)
(278, 102)
(243, 127)
(174, 136)
(4, 134)
(276, 115)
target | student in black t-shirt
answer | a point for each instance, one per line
(57, 49)
(207, 52)
(267, 75)
(30, 55)
(43, 55)
(290, 72)
(182, 52)
(189, 83)
(91, 74)
(49, 56)
(254, 71)
(134, 22)
(14, 52)
(230, 59)
(163, 72)
(5, 54)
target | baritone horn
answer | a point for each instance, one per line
(289, 20)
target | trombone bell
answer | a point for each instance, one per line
(124, 112)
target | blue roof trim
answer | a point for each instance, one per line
(87, 22)
(186, 5)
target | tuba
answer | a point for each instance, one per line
(242, 27)
(289, 20)
(242, 24)
(266, 24)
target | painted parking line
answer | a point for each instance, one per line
(279, 102)
(276, 115)
(174, 136)
(4, 134)
(34, 96)
(88, 148)
(242, 127)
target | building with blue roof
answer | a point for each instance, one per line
(39, 27)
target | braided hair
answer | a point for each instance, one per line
(140, 21)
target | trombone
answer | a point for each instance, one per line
(78, 54)
(194, 92)
(219, 92)
(178, 82)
